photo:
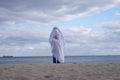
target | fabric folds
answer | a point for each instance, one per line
(56, 40)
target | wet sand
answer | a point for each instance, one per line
(67, 71)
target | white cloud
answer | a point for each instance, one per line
(111, 25)
(78, 40)
(77, 34)
(39, 12)
(84, 41)
(118, 14)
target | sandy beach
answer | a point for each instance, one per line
(67, 71)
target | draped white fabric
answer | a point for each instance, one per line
(57, 45)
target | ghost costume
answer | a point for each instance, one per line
(57, 45)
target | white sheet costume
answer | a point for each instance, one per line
(57, 45)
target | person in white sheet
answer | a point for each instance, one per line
(56, 40)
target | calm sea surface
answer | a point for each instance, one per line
(68, 59)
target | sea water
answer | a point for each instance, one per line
(68, 59)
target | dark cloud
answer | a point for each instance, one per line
(22, 37)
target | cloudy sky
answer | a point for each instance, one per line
(90, 27)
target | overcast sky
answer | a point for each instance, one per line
(90, 27)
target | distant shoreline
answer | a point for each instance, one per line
(7, 56)
(65, 56)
